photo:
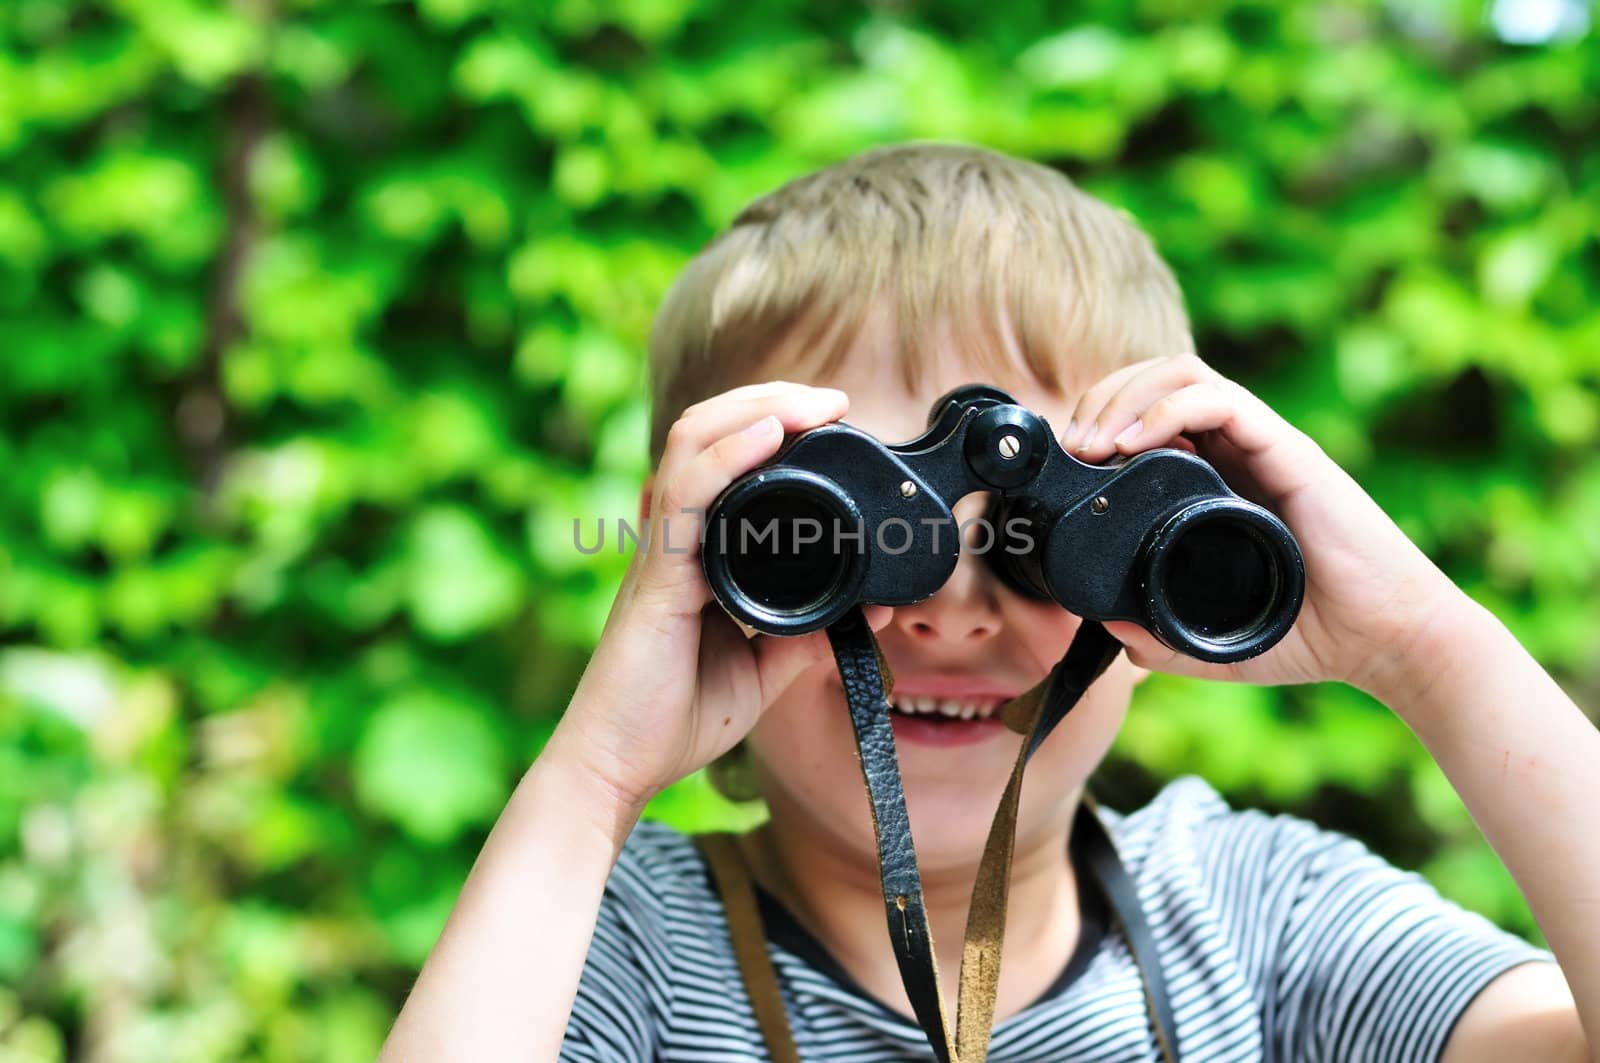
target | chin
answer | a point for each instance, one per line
(950, 826)
(949, 833)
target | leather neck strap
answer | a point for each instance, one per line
(749, 943)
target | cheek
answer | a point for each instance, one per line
(803, 754)
(1078, 744)
(804, 736)
(1045, 629)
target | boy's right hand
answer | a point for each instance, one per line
(674, 682)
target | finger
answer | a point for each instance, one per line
(1141, 647)
(1232, 466)
(782, 660)
(693, 486)
(743, 391)
(1279, 457)
(1095, 397)
(1123, 408)
(797, 407)
(697, 466)
(670, 570)
(1146, 651)
(730, 679)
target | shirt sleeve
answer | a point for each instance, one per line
(1372, 963)
(624, 993)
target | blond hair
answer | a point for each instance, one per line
(1009, 251)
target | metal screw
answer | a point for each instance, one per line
(1009, 446)
(907, 489)
(1100, 504)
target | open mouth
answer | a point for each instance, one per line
(930, 721)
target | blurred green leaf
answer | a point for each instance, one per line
(431, 763)
(459, 581)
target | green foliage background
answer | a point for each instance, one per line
(320, 321)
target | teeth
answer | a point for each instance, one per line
(951, 708)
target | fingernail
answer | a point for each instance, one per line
(764, 427)
(1088, 438)
(1066, 437)
(1129, 434)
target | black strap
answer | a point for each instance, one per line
(861, 671)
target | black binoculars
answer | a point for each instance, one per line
(837, 518)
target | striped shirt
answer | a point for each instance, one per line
(1278, 940)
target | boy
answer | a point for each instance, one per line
(883, 282)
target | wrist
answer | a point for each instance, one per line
(576, 776)
(1421, 649)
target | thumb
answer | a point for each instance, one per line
(1143, 648)
(780, 660)
(1146, 651)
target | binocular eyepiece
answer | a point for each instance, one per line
(837, 518)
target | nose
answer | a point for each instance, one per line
(966, 610)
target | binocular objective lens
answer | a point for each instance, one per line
(783, 551)
(1221, 581)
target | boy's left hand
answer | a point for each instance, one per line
(1370, 592)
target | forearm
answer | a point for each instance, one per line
(502, 978)
(1526, 763)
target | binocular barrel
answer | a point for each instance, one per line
(1217, 579)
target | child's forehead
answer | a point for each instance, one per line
(893, 386)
